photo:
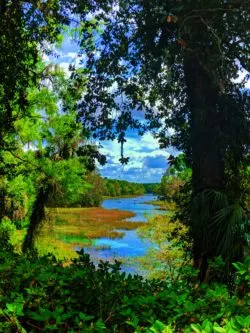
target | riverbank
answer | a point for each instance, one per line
(123, 196)
(162, 205)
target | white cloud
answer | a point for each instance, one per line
(72, 55)
(139, 149)
(65, 68)
(45, 57)
(242, 76)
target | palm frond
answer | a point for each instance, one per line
(218, 224)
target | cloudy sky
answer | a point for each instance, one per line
(147, 162)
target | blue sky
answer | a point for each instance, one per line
(147, 162)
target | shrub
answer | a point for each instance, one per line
(40, 294)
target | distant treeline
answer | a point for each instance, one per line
(105, 187)
(151, 187)
(116, 188)
(99, 187)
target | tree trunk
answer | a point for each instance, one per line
(207, 154)
(37, 216)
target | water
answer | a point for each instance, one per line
(136, 205)
(131, 245)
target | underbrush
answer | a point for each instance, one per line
(42, 295)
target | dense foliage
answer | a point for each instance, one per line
(175, 177)
(41, 294)
(116, 188)
(31, 140)
(150, 187)
(50, 156)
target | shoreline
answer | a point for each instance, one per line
(162, 205)
(126, 196)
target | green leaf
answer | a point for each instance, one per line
(85, 317)
(207, 326)
(243, 321)
(219, 329)
(10, 307)
(158, 326)
(196, 328)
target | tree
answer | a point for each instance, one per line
(176, 61)
(26, 29)
(116, 188)
(94, 195)
(51, 151)
(175, 177)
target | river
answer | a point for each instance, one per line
(131, 244)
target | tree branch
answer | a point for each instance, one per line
(233, 7)
(23, 160)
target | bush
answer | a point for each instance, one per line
(7, 234)
(40, 294)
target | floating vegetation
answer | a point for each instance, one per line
(69, 228)
(102, 247)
